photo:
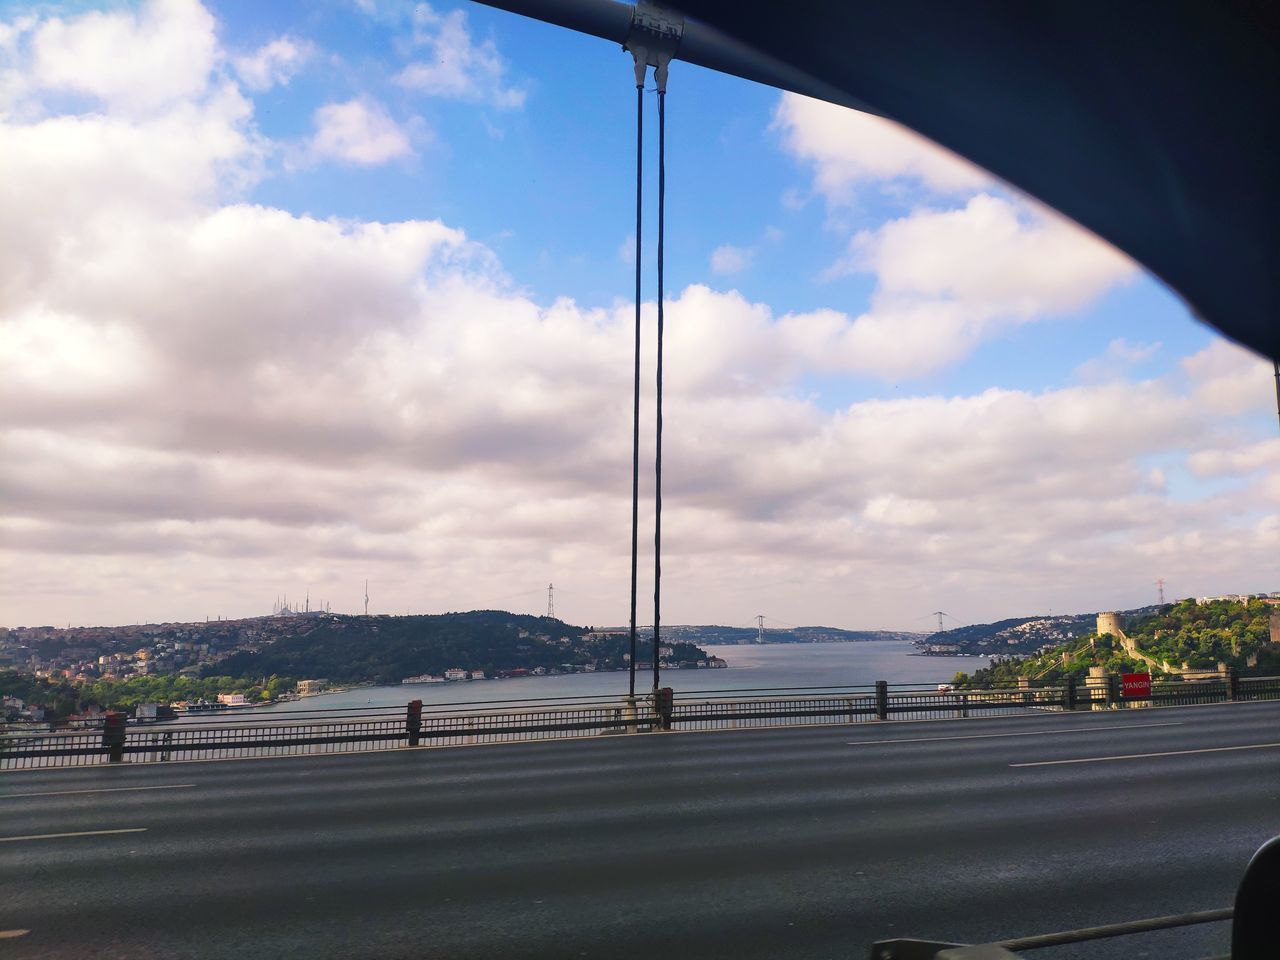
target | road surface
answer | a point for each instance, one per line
(792, 843)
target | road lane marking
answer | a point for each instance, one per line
(80, 833)
(1029, 733)
(71, 793)
(13, 934)
(1143, 756)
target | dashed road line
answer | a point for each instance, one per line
(78, 833)
(1027, 733)
(72, 793)
(1144, 756)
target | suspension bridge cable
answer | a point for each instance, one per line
(635, 428)
(657, 462)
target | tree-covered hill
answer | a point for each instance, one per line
(1185, 634)
(388, 649)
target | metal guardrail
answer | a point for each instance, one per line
(908, 949)
(233, 734)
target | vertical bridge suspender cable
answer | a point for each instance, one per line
(635, 428)
(661, 75)
(653, 38)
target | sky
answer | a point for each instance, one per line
(299, 295)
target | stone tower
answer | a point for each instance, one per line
(1111, 623)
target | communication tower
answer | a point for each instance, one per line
(1160, 587)
(551, 601)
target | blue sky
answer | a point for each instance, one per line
(310, 293)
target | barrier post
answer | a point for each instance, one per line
(1113, 690)
(1233, 684)
(413, 723)
(113, 731)
(664, 703)
(882, 700)
(1069, 695)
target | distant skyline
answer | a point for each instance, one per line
(299, 295)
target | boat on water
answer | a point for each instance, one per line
(199, 706)
(425, 678)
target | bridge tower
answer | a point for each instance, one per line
(760, 628)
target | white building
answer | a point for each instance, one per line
(455, 673)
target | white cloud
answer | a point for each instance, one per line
(946, 279)
(358, 132)
(728, 259)
(1120, 356)
(1230, 379)
(848, 149)
(991, 253)
(451, 64)
(134, 62)
(274, 63)
(949, 279)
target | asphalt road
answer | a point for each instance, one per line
(768, 843)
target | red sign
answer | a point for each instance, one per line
(1135, 685)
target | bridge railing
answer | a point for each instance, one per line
(301, 732)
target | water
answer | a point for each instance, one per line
(768, 665)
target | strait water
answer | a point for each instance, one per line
(762, 666)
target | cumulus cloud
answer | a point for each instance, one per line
(452, 64)
(948, 279)
(848, 149)
(209, 400)
(1230, 379)
(358, 132)
(273, 64)
(132, 61)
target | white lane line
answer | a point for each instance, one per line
(1143, 756)
(81, 833)
(72, 793)
(13, 934)
(1029, 733)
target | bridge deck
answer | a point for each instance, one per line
(792, 842)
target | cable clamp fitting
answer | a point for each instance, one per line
(654, 37)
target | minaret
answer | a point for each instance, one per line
(366, 598)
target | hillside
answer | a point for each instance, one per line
(66, 669)
(388, 649)
(1019, 635)
(1183, 635)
